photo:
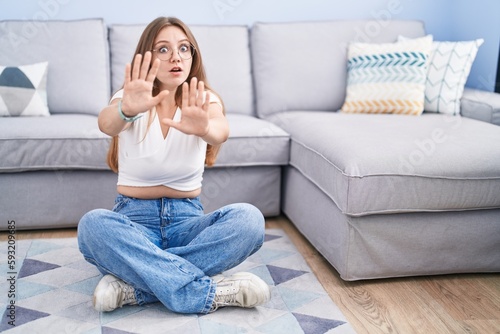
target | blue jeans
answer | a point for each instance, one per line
(167, 249)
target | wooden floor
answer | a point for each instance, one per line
(435, 304)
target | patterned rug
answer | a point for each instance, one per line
(48, 290)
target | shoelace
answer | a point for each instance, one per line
(224, 298)
(128, 294)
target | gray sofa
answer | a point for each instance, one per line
(344, 180)
(53, 169)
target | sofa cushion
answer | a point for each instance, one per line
(387, 78)
(392, 163)
(75, 142)
(23, 90)
(50, 143)
(226, 57)
(78, 57)
(253, 142)
(289, 77)
(123, 39)
(448, 70)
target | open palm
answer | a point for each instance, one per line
(138, 87)
(195, 101)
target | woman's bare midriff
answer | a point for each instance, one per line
(156, 192)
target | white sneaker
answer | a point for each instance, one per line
(241, 290)
(112, 293)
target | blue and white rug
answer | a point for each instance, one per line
(48, 290)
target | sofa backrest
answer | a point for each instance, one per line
(303, 66)
(77, 56)
(226, 57)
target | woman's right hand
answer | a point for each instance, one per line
(138, 87)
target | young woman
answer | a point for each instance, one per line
(157, 244)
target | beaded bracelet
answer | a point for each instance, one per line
(122, 115)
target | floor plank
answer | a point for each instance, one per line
(467, 303)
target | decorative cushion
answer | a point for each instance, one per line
(449, 68)
(23, 90)
(388, 77)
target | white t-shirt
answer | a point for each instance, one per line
(145, 158)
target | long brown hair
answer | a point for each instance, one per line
(145, 44)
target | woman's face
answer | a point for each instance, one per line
(172, 47)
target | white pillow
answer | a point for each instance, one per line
(23, 90)
(387, 78)
(449, 68)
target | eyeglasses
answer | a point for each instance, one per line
(185, 51)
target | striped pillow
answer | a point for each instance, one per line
(387, 78)
(449, 67)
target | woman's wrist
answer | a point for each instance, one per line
(125, 117)
(207, 132)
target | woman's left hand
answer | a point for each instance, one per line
(195, 117)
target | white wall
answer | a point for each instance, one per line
(474, 19)
(220, 11)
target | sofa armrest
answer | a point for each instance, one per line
(481, 105)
